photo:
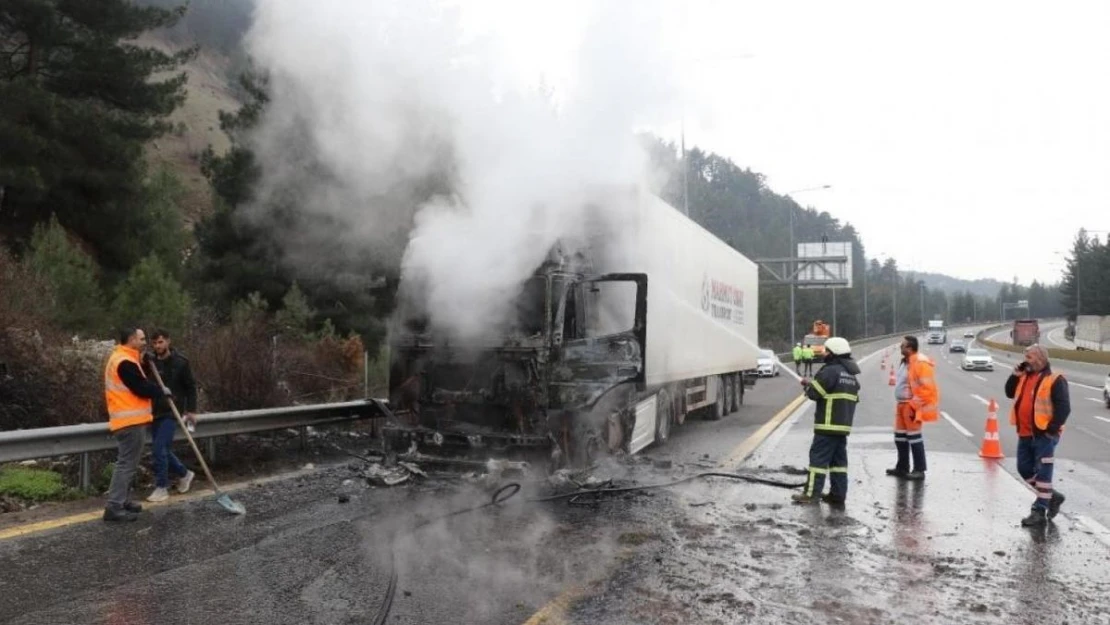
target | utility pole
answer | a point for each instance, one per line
(793, 277)
(894, 304)
(921, 286)
(865, 298)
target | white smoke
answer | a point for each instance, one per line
(388, 95)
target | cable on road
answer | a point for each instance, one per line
(574, 498)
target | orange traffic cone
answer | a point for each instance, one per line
(991, 448)
(891, 381)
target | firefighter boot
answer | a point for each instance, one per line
(802, 498)
(1038, 517)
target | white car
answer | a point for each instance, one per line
(977, 360)
(767, 365)
(969, 334)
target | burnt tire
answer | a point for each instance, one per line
(664, 417)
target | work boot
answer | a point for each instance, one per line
(159, 494)
(1037, 518)
(914, 476)
(896, 472)
(115, 514)
(184, 483)
(132, 507)
(1055, 503)
(802, 498)
(833, 500)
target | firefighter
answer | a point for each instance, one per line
(917, 402)
(1041, 406)
(836, 391)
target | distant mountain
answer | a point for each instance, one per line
(985, 287)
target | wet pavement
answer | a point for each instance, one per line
(949, 550)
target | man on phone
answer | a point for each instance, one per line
(1041, 406)
(917, 402)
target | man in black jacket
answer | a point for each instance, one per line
(835, 388)
(177, 375)
(1041, 406)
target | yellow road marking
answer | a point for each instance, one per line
(85, 517)
(554, 612)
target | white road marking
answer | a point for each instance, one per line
(1093, 388)
(984, 401)
(956, 425)
(980, 377)
(1102, 418)
(1097, 529)
(1097, 401)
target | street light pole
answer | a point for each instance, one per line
(865, 267)
(922, 290)
(894, 304)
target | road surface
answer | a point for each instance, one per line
(707, 551)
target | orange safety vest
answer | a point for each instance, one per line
(923, 387)
(125, 409)
(1042, 401)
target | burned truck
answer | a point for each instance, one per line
(615, 339)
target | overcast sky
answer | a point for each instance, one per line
(968, 138)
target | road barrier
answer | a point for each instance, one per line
(85, 438)
(1094, 358)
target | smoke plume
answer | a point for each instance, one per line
(393, 128)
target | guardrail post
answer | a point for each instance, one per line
(210, 443)
(304, 438)
(85, 473)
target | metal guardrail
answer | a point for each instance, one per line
(85, 438)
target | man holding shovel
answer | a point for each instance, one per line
(128, 393)
(174, 370)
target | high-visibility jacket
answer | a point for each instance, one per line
(835, 389)
(1043, 409)
(125, 409)
(797, 353)
(807, 353)
(923, 386)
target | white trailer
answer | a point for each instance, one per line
(702, 314)
(1092, 332)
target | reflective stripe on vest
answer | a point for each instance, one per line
(829, 398)
(125, 409)
(1042, 401)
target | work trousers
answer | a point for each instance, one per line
(129, 442)
(161, 452)
(828, 455)
(908, 439)
(1036, 456)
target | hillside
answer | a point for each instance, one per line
(984, 287)
(196, 124)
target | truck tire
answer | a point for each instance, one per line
(719, 408)
(664, 416)
(738, 396)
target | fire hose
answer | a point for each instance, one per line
(508, 491)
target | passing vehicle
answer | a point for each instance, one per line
(957, 346)
(1025, 332)
(938, 335)
(969, 334)
(1092, 332)
(977, 360)
(767, 365)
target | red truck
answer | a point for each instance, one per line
(1026, 332)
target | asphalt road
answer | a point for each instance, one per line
(712, 552)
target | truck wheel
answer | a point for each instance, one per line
(718, 410)
(740, 391)
(664, 416)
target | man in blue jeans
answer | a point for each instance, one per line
(1040, 409)
(177, 375)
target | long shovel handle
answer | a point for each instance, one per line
(184, 428)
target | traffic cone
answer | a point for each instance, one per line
(991, 448)
(891, 381)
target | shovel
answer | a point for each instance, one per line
(222, 498)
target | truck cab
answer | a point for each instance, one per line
(937, 334)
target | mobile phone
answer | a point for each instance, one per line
(1022, 366)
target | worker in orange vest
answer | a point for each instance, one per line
(1041, 406)
(128, 394)
(917, 402)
